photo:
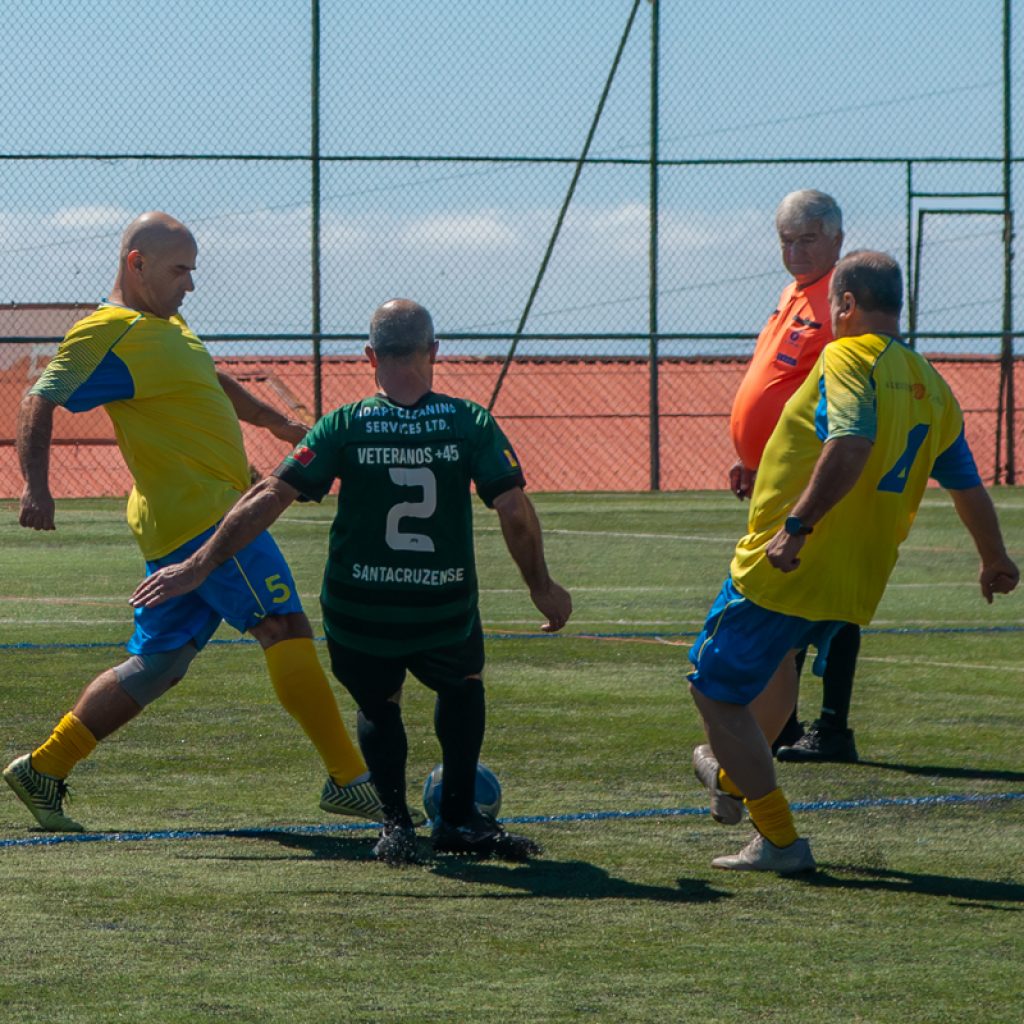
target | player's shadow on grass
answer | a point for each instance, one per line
(550, 879)
(567, 879)
(968, 891)
(946, 771)
(318, 847)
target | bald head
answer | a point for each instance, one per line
(154, 233)
(158, 255)
(401, 328)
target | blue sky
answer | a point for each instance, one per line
(739, 80)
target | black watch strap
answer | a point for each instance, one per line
(795, 527)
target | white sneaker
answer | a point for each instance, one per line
(726, 809)
(761, 855)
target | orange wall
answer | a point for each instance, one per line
(577, 425)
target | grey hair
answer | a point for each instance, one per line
(809, 204)
(401, 328)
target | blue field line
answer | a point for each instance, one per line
(60, 838)
(686, 634)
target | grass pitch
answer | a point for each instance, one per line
(236, 899)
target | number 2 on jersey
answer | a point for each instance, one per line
(423, 509)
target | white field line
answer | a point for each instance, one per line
(685, 502)
(660, 506)
(125, 621)
(575, 625)
(692, 625)
(710, 538)
(489, 626)
(629, 534)
(973, 666)
(313, 596)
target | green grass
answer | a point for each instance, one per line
(915, 915)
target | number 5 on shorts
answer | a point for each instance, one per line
(278, 588)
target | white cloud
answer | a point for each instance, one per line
(90, 217)
(487, 230)
(283, 231)
(344, 233)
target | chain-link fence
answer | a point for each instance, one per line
(582, 194)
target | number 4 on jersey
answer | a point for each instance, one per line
(896, 479)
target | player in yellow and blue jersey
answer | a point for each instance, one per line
(176, 420)
(839, 485)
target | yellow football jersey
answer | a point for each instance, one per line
(870, 386)
(175, 426)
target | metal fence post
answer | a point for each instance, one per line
(652, 257)
(1007, 340)
(314, 205)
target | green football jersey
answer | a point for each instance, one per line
(401, 572)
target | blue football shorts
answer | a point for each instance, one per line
(742, 644)
(244, 590)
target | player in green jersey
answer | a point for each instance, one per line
(400, 589)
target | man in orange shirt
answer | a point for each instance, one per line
(810, 227)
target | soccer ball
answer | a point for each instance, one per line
(488, 792)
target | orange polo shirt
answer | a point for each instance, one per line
(786, 350)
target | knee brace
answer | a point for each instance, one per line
(145, 677)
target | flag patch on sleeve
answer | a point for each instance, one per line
(303, 455)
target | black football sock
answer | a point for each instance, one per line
(792, 730)
(837, 684)
(459, 718)
(385, 747)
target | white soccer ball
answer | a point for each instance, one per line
(488, 792)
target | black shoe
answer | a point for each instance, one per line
(792, 731)
(482, 836)
(821, 743)
(397, 845)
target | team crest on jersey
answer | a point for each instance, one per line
(303, 455)
(511, 458)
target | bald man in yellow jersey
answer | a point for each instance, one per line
(839, 485)
(176, 419)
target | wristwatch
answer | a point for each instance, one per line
(795, 527)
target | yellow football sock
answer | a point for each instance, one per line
(773, 818)
(69, 742)
(724, 782)
(304, 692)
